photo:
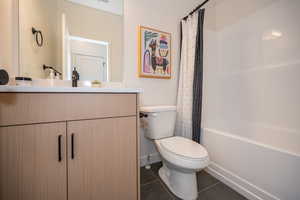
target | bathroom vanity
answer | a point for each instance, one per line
(68, 144)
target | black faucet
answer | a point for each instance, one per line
(75, 77)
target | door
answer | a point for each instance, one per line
(104, 161)
(90, 67)
(33, 162)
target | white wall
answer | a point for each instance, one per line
(115, 6)
(163, 15)
(42, 15)
(251, 96)
(8, 36)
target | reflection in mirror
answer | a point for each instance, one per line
(90, 58)
(82, 34)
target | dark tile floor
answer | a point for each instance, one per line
(152, 188)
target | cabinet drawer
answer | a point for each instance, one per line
(28, 108)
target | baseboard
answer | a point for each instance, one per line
(239, 184)
(154, 157)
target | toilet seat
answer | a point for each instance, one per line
(184, 148)
(183, 152)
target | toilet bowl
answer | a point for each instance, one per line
(181, 157)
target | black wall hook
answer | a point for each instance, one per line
(38, 36)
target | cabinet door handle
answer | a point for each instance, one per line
(59, 148)
(72, 146)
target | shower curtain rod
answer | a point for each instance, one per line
(198, 7)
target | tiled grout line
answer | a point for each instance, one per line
(166, 189)
(163, 184)
(157, 178)
(149, 182)
(174, 196)
(171, 194)
(208, 187)
(153, 175)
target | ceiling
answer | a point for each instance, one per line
(112, 6)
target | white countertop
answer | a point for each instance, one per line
(34, 89)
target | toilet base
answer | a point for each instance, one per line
(183, 185)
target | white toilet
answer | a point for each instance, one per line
(181, 157)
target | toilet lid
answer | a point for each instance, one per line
(184, 147)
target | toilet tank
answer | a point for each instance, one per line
(159, 121)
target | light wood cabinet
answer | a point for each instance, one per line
(31, 108)
(30, 168)
(104, 162)
(86, 149)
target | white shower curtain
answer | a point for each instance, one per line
(185, 88)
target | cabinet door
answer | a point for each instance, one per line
(104, 162)
(30, 168)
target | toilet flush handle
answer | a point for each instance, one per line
(143, 115)
(154, 114)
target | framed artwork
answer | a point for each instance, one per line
(154, 53)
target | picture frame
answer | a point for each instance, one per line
(154, 49)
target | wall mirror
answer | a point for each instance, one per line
(57, 35)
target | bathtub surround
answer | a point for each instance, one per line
(251, 96)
